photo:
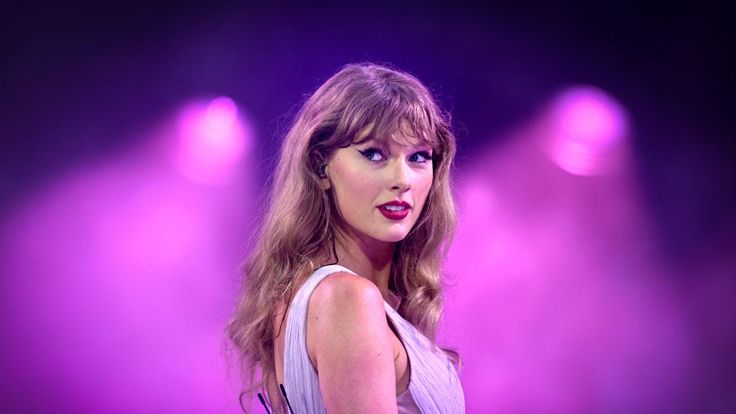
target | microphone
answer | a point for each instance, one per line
(288, 404)
(263, 402)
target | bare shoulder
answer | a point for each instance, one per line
(344, 306)
(346, 290)
(349, 344)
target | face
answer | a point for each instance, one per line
(380, 191)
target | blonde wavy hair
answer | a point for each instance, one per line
(358, 103)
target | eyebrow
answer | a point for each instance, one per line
(417, 145)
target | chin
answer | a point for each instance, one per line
(394, 239)
(394, 236)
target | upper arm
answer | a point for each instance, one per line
(350, 341)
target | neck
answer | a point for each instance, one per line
(367, 257)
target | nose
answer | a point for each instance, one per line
(400, 179)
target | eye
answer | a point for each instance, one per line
(420, 157)
(373, 154)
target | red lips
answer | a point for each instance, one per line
(395, 210)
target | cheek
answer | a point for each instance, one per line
(352, 186)
(352, 181)
(423, 185)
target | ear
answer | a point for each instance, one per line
(324, 179)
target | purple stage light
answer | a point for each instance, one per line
(587, 130)
(212, 140)
(556, 301)
(121, 273)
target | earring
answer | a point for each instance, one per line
(322, 171)
(318, 164)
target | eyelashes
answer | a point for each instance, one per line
(421, 157)
(376, 155)
(372, 154)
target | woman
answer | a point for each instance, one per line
(342, 292)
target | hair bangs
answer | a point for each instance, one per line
(402, 122)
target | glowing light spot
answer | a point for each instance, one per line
(212, 140)
(588, 130)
